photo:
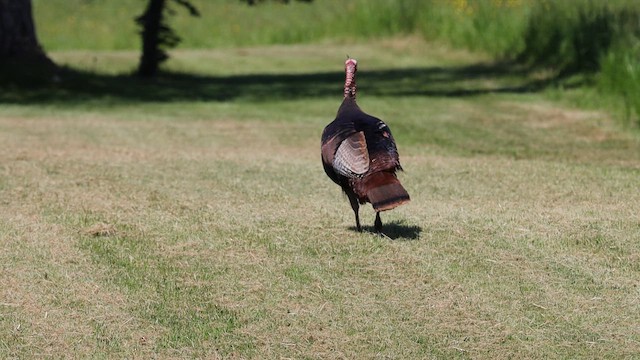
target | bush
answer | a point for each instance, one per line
(585, 37)
(567, 37)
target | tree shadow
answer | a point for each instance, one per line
(70, 86)
(395, 230)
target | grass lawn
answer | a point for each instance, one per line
(190, 217)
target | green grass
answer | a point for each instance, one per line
(563, 38)
(189, 217)
(81, 24)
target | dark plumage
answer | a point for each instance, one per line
(360, 154)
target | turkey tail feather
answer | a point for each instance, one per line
(385, 191)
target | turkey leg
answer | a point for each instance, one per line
(355, 206)
(378, 223)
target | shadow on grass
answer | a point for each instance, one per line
(69, 86)
(395, 230)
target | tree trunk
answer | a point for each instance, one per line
(152, 55)
(18, 39)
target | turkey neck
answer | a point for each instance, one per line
(350, 82)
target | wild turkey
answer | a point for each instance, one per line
(360, 155)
